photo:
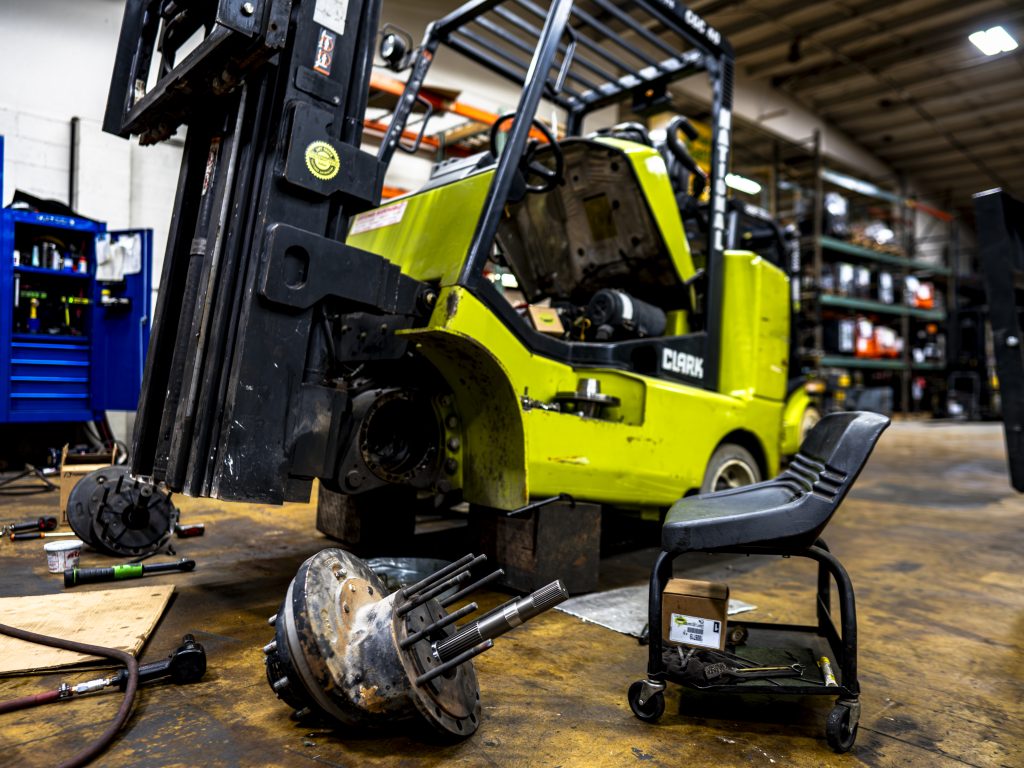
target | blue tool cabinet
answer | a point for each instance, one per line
(83, 352)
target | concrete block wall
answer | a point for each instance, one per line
(37, 153)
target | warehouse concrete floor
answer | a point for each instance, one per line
(932, 536)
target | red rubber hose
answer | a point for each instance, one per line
(26, 702)
(94, 749)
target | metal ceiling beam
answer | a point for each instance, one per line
(843, 99)
(912, 149)
(709, 8)
(753, 20)
(757, 17)
(928, 118)
(1013, 175)
(969, 182)
(952, 159)
(830, 22)
(929, 43)
(982, 131)
(947, 156)
(1006, 97)
(871, 124)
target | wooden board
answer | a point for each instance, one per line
(115, 618)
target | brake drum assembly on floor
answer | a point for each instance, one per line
(346, 649)
(119, 515)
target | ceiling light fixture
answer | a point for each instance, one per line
(742, 184)
(993, 41)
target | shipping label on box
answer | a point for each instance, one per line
(694, 630)
(695, 613)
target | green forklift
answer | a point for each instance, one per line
(306, 332)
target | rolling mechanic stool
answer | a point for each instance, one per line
(782, 517)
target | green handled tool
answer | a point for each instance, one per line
(75, 576)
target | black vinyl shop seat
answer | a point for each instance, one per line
(780, 517)
(790, 510)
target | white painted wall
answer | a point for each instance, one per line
(56, 58)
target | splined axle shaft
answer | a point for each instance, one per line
(501, 620)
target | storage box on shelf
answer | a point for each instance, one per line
(74, 323)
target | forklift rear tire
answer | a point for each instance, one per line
(652, 709)
(731, 466)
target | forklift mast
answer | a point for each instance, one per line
(237, 400)
(1000, 220)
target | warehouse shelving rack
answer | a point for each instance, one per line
(794, 177)
(75, 371)
(919, 227)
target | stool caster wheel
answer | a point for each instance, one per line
(841, 727)
(738, 635)
(650, 709)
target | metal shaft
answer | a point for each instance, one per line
(457, 567)
(420, 599)
(472, 588)
(462, 658)
(500, 621)
(451, 618)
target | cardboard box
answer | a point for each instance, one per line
(695, 613)
(75, 466)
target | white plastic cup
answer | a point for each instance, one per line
(61, 555)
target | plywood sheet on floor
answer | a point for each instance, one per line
(932, 536)
(115, 618)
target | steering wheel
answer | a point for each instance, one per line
(529, 164)
(682, 154)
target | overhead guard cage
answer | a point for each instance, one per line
(583, 55)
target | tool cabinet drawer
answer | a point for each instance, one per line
(48, 377)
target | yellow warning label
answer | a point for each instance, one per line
(322, 160)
